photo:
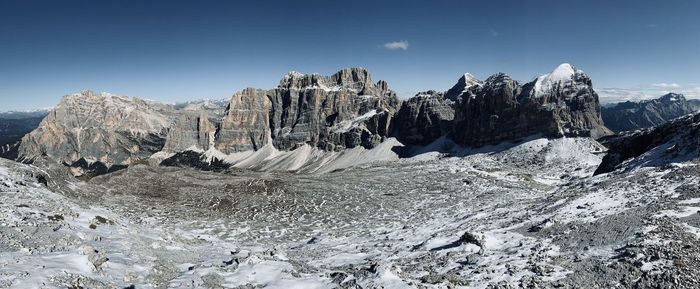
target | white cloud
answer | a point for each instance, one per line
(396, 45)
(494, 33)
(666, 85)
(652, 25)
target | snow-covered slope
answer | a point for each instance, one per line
(302, 159)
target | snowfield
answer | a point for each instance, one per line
(527, 215)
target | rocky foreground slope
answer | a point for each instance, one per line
(629, 116)
(675, 141)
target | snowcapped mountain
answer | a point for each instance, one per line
(477, 113)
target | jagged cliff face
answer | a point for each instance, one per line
(569, 93)
(246, 123)
(562, 103)
(424, 118)
(344, 110)
(627, 116)
(88, 128)
(191, 131)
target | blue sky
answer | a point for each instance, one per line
(179, 50)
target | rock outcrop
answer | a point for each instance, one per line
(674, 141)
(475, 113)
(562, 103)
(90, 130)
(628, 116)
(465, 86)
(246, 125)
(94, 132)
(344, 110)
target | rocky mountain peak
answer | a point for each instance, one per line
(672, 97)
(88, 128)
(465, 83)
(356, 79)
(565, 75)
(499, 80)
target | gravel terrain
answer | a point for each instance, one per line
(525, 216)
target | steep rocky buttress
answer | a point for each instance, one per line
(344, 110)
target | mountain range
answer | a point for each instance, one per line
(100, 132)
(627, 116)
(311, 122)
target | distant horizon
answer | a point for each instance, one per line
(176, 51)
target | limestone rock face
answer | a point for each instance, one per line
(424, 118)
(562, 103)
(627, 116)
(191, 131)
(88, 128)
(246, 123)
(344, 110)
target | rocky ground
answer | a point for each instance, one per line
(525, 216)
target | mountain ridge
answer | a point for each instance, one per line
(629, 115)
(333, 113)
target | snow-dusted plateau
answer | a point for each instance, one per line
(332, 182)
